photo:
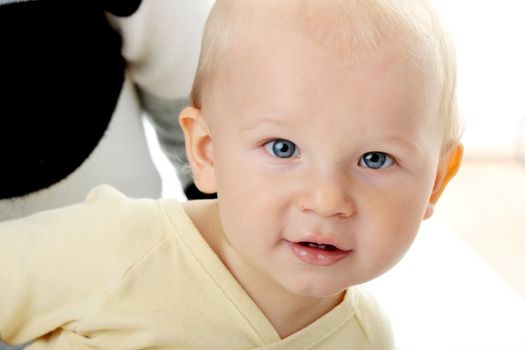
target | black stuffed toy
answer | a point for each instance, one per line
(75, 79)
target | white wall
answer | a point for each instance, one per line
(490, 44)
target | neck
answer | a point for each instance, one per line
(287, 312)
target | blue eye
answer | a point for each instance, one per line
(282, 148)
(376, 160)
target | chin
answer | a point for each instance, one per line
(315, 288)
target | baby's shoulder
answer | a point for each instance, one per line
(106, 222)
(114, 213)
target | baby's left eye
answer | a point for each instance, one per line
(376, 160)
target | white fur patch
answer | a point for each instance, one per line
(5, 2)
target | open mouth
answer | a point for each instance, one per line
(320, 254)
(328, 247)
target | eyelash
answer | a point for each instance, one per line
(384, 158)
(272, 147)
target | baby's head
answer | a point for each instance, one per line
(328, 130)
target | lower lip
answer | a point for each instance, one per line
(315, 256)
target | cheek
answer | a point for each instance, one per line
(250, 203)
(387, 246)
(245, 177)
(394, 218)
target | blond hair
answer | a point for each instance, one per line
(350, 28)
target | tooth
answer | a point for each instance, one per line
(312, 245)
(321, 246)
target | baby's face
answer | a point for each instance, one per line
(324, 169)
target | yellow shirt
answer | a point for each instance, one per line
(117, 273)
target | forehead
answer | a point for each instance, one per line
(271, 63)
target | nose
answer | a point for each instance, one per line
(327, 196)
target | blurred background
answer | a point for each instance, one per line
(462, 286)
(485, 205)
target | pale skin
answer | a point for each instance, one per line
(324, 170)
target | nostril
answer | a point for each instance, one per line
(326, 200)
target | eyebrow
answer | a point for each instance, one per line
(403, 142)
(254, 123)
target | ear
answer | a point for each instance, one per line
(199, 148)
(448, 166)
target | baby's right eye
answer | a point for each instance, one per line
(282, 148)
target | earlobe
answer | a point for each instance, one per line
(449, 164)
(199, 148)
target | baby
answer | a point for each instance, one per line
(328, 130)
